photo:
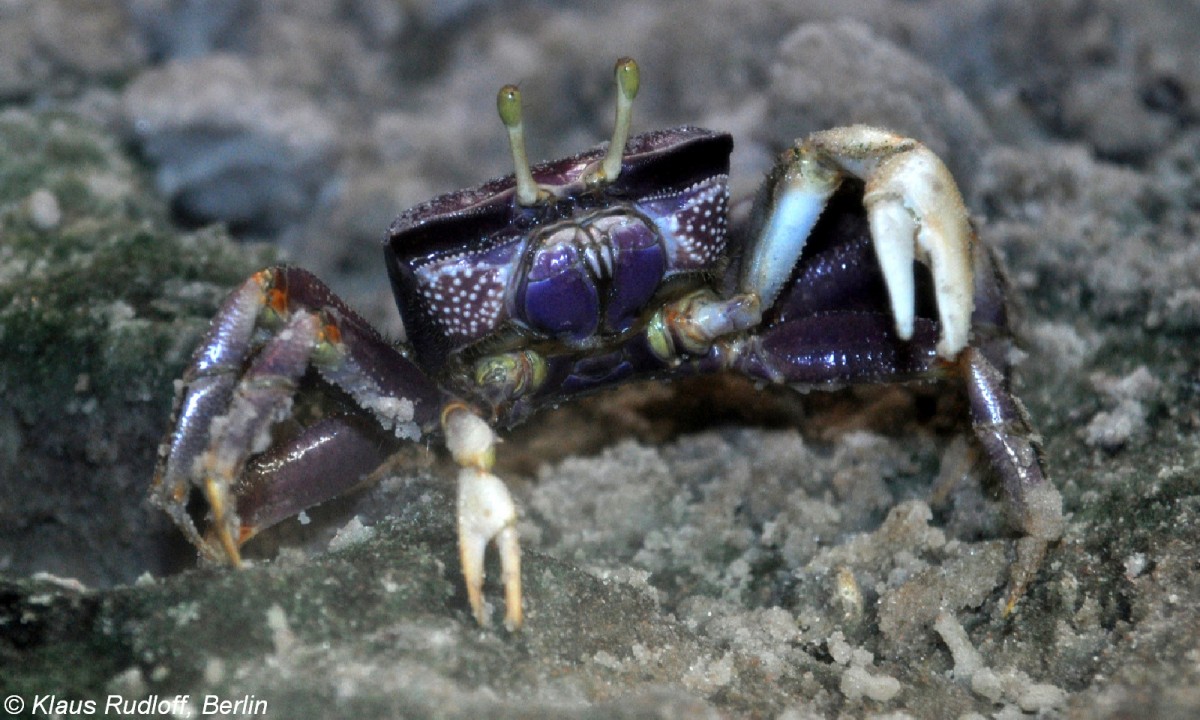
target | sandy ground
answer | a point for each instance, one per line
(693, 550)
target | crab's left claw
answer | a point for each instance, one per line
(915, 212)
(486, 512)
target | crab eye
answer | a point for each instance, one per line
(626, 73)
(605, 172)
(508, 104)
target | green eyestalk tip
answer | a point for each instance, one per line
(628, 79)
(508, 104)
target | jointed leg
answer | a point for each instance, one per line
(205, 394)
(241, 383)
(322, 461)
(1004, 431)
(262, 398)
(833, 349)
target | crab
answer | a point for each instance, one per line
(856, 263)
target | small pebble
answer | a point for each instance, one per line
(44, 210)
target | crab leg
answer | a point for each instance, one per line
(832, 349)
(915, 211)
(323, 461)
(204, 393)
(1003, 429)
(486, 512)
(241, 385)
(271, 330)
(262, 398)
(839, 347)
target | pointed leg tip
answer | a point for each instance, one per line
(470, 560)
(473, 548)
(508, 543)
(215, 492)
(232, 552)
(1015, 593)
(481, 615)
(514, 618)
(473, 579)
(1030, 552)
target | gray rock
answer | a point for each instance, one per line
(230, 147)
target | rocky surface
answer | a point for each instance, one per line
(698, 550)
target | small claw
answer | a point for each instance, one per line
(915, 183)
(485, 512)
(471, 548)
(510, 574)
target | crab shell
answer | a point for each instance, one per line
(475, 269)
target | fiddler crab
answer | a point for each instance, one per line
(857, 263)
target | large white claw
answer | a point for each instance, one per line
(913, 199)
(915, 211)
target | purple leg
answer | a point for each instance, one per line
(1000, 421)
(842, 348)
(1003, 428)
(380, 376)
(835, 348)
(989, 322)
(242, 381)
(327, 459)
(204, 393)
(262, 398)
